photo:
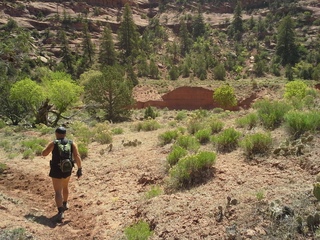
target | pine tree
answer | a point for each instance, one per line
(185, 39)
(198, 26)
(286, 48)
(107, 53)
(87, 46)
(67, 57)
(132, 76)
(237, 23)
(128, 34)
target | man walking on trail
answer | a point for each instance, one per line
(61, 168)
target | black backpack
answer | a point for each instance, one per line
(65, 151)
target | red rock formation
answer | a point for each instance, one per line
(191, 98)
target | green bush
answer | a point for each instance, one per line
(219, 72)
(296, 89)
(2, 124)
(215, 126)
(175, 155)
(104, 137)
(147, 125)
(28, 154)
(117, 131)
(168, 136)
(83, 150)
(44, 129)
(181, 115)
(298, 122)
(3, 167)
(225, 96)
(250, 121)
(203, 135)
(6, 145)
(258, 143)
(153, 192)
(195, 125)
(150, 113)
(138, 231)
(271, 113)
(36, 145)
(82, 132)
(188, 142)
(14, 234)
(227, 140)
(191, 169)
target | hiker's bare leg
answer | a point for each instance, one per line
(65, 189)
(57, 186)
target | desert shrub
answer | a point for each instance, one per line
(249, 121)
(6, 145)
(28, 154)
(217, 110)
(188, 142)
(203, 135)
(168, 136)
(117, 131)
(17, 234)
(2, 124)
(150, 113)
(147, 125)
(36, 145)
(175, 155)
(271, 113)
(215, 125)
(153, 192)
(225, 96)
(201, 113)
(44, 129)
(195, 125)
(227, 140)
(102, 133)
(83, 150)
(3, 167)
(104, 137)
(258, 143)
(138, 231)
(296, 89)
(8, 131)
(82, 132)
(191, 169)
(298, 122)
(181, 115)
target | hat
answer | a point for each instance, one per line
(61, 130)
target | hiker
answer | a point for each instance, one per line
(60, 171)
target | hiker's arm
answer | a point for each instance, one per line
(48, 149)
(76, 155)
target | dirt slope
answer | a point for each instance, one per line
(110, 195)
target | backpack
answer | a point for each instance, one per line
(65, 151)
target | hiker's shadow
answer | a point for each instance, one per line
(50, 222)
